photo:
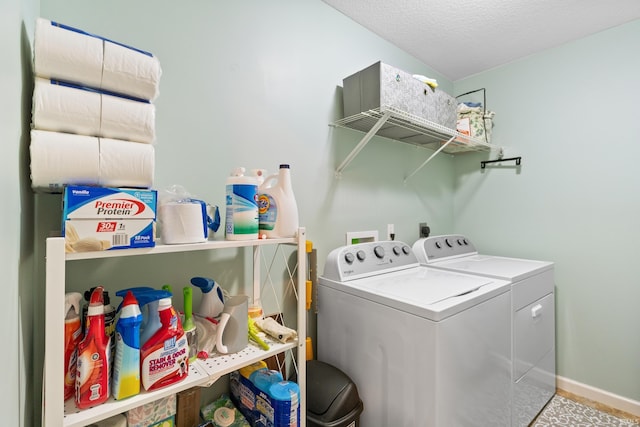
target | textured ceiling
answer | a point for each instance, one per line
(459, 38)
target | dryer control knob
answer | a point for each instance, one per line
(406, 250)
(448, 243)
(379, 251)
(349, 257)
(361, 255)
(396, 250)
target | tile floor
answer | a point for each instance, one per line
(567, 410)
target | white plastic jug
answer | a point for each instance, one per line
(277, 207)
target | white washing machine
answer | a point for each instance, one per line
(532, 315)
(425, 347)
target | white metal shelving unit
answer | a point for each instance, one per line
(401, 126)
(57, 413)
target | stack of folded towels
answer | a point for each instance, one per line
(93, 117)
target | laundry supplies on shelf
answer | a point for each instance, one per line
(241, 219)
(278, 210)
(72, 337)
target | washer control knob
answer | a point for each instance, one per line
(379, 251)
(406, 250)
(448, 243)
(348, 257)
(397, 251)
(438, 245)
(460, 243)
(361, 255)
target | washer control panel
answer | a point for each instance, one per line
(364, 259)
(436, 248)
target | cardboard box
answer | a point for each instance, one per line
(101, 218)
(160, 413)
(188, 410)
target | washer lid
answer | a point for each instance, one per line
(513, 269)
(424, 291)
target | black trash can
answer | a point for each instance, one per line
(332, 398)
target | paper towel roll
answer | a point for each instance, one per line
(125, 68)
(70, 54)
(61, 109)
(64, 107)
(61, 53)
(129, 120)
(126, 163)
(182, 223)
(58, 159)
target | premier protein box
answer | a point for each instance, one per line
(100, 218)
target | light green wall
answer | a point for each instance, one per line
(571, 113)
(256, 84)
(16, 259)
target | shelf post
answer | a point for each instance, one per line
(302, 323)
(430, 157)
(53, 378)
(381, 121)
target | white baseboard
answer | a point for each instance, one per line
(601, 396)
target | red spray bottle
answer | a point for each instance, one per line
(93, 373)
(165, 356)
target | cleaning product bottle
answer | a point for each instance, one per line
(72, 336)
(241, 220)
(151, 323)
(189, 326)
(109, 318)
(212, 302)
(278, 211)
(126, 364)
(93, 373)
(165, 358)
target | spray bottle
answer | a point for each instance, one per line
(109, 318)
(126, 364)
(148, 300)
(72, 336)
(241, 220)
(212, 302)
(93, 373)
(277, 207)
(165, 358)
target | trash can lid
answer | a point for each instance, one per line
(330, 392)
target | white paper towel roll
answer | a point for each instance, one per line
(129, 120)
(62, 107)
(60, 53)
(126, 68)
(126, 163)
(181, 223)
(70, 54)
(58, 159)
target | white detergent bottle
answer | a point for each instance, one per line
(277, 207)
(241, 219)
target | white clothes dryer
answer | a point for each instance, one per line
(532, 315)
(425, 347)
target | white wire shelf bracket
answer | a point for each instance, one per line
(389, 122)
